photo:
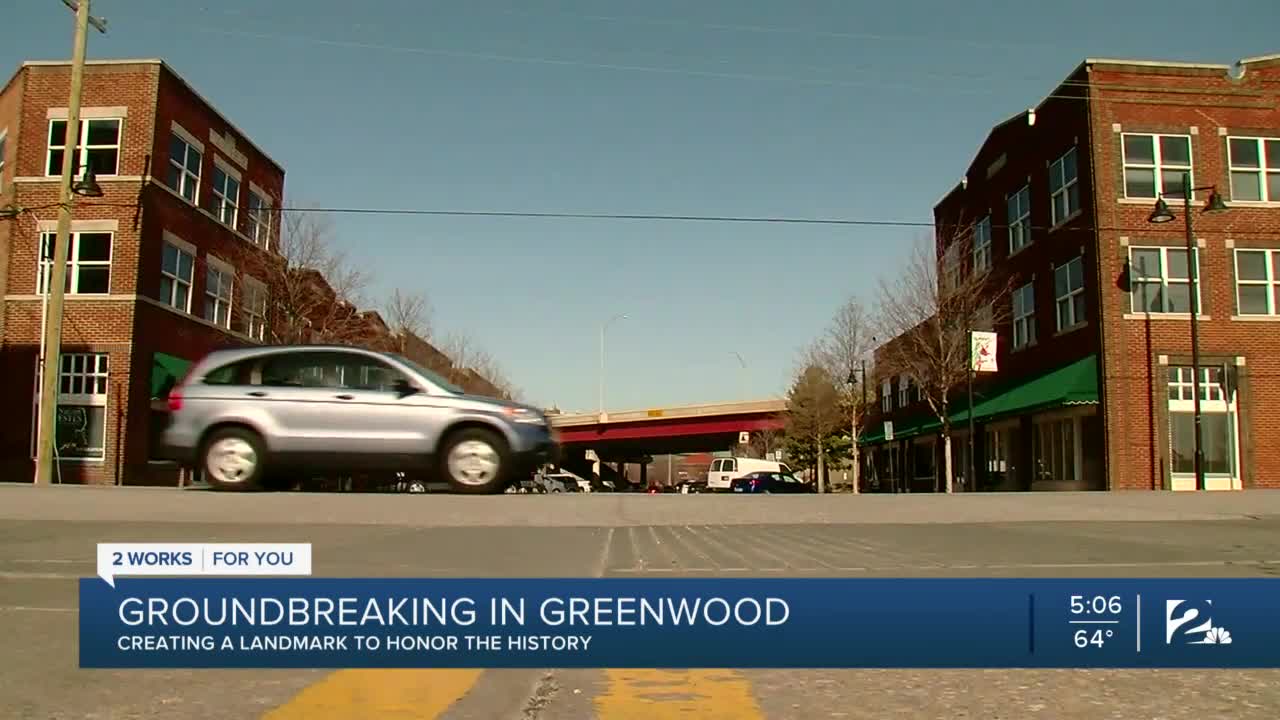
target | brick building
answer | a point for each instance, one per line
(154, 276)
(1093, 389)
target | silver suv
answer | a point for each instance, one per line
(247, 416)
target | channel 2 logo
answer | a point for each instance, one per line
(1191, 623)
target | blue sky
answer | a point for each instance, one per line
(805, 108)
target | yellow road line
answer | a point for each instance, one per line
(677, 695)
(382, 694)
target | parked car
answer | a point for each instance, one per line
(723, 471)
(251, 416)
(770, 483)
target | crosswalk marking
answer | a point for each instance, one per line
(677, 695)
(381, 694)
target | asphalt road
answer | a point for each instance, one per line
(47, 539)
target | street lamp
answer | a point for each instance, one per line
(87, 185)
(605, 326)
(743, 379)
(1162, 214)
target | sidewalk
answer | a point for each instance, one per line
(115, 504)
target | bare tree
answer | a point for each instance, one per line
(304, 289)
(814, 412)
(929, 317)
(408, 314)
(843, 351)
(474, 368)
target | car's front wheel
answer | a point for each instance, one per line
(233, 459)
(474, 461)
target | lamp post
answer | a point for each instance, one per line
(603, 327)
(854, 454)
(743, 378)
(1162, 214)
(51, 339)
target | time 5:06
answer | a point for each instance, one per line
(1096, 605)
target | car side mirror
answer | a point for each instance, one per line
(404, 388)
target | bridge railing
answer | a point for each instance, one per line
(749, 407)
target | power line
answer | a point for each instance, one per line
(658, 217)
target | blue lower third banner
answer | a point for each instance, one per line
(678, 623)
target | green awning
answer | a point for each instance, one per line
(166, 371)
(1074, 384)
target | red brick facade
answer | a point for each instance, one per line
(1125, 441)
(128, 313)
(131, 320)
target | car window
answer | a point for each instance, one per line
(233, 373)
(716, 465)
(434, 377)
(330, 369)
(730, 464)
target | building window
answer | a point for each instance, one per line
(904, 391)
(1154, 165)
(177, 269)
(1064, 188)
(259, 219)
(951, 267)
(1160, 280)
(984, 318)
(99, 147)
(1258, 282)
(886, 396)
(1255, 169)
(217, 296)
(1219, 433)
(1056, 448)
(1020, 219)
(982, 245)
(81, 418)
(3, 137)
(88, 263)
(254, 299)
(1068, 284)
(1024, 315)
(226, 197)
(184, 168)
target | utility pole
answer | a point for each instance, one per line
(55, 285)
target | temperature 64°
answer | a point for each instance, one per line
(1085, 638)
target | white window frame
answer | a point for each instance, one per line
(217, 300)
(185, 176)
(1069, 297)
(886, 395)
(225, 204)
(1267, 166)
(1271, 256)
(93, 375)
(1057, 170)
(254, 299)
(1163, 280)
(1024, 316)
(1019, 202)
(1043, 425)
(189, 250)
(1213, 400)
(904, 391)
(82, 157)
(259, 225)
(74, 263)
(4, 136)
(982, 251)
(1158, 166)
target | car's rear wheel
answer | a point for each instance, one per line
(474, 461)
(233, 459)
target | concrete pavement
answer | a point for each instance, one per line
(47, 539)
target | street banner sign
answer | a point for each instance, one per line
(888, 430)
(982, 351)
